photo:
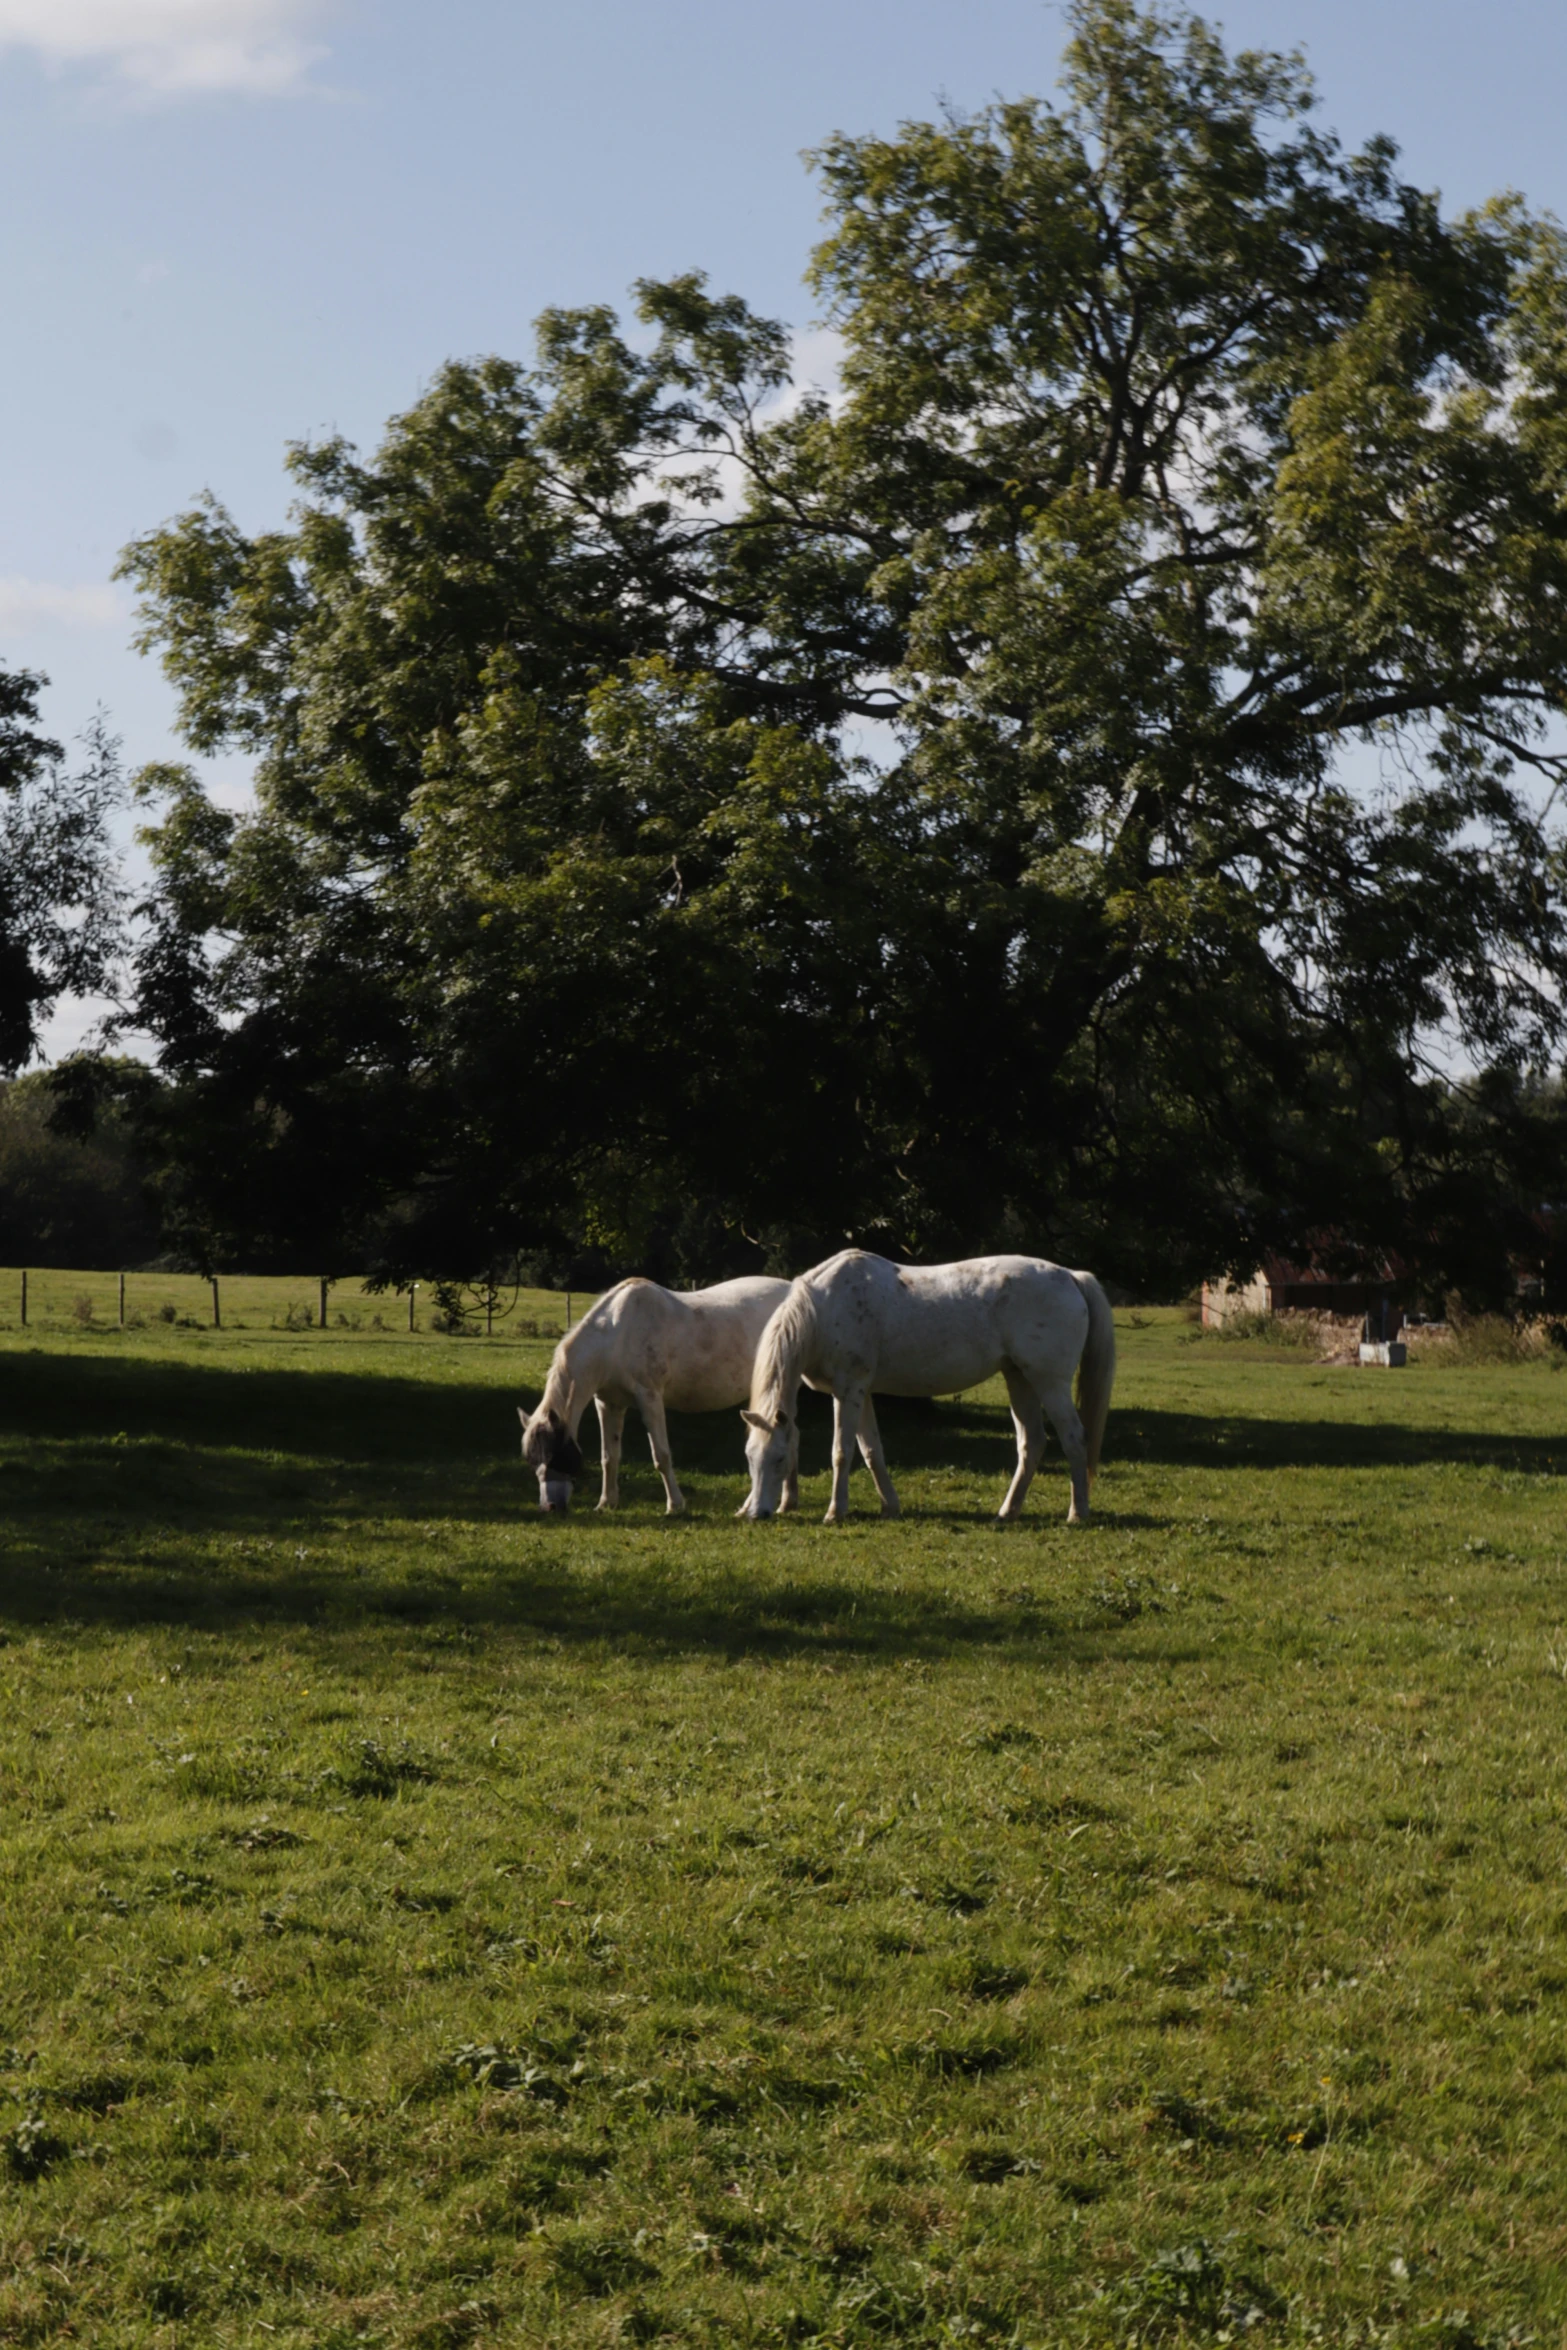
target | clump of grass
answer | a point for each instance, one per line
(1480, 1341)
(1191, 2289)
(1301, 1332)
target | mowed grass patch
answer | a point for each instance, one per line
(425, 1923)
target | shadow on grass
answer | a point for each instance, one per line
(308, 1496)
(633, 1606)
(402, 1424)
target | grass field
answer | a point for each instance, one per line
(426, 1924)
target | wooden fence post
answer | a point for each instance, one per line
(325, 1285)
(412, 1287)
(217, 1310)
(568, 1309)
(24, 1298)
(122, 1301)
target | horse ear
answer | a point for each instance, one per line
(522, 1415)
(755, 1420)
(782, 1420)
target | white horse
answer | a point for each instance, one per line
(857, 1324)
(642, 1345)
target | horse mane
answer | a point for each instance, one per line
(587, 1327)
(557, 1387)
(777, 1365)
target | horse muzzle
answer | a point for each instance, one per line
(554, 1493)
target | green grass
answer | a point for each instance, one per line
(424, 1923)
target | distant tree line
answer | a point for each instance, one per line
(1089, 784)
(65, 1199)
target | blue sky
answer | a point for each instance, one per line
(230, 223)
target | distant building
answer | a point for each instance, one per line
(1279, 1287)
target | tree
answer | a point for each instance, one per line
(924, 814)
(69, 1197)
(60, 905)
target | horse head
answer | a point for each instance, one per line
(769, 1452)
(552, 1453)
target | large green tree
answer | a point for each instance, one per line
(1087, 781)
(60, 901)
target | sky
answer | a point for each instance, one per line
(229, 224)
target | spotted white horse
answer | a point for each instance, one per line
(689, 1350)
(857, 1325)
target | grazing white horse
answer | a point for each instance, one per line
(858, 1324)
(642, 1345)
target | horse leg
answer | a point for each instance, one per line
(846, 1414)
(1069, 1428)
(1029, 1421)
(875, 1460)
(790, 1497)
(612, 1421)
(651, 1407)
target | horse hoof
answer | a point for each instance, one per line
(675, 1509)
(891, 1509)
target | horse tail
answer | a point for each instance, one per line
(778, 1350)
(1096, 1370)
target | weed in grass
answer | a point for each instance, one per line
(1191, 2290)
(32, 2148)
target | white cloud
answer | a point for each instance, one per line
(35, 603)
(172, 48)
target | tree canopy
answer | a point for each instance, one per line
(60, 900)
(1088, 781)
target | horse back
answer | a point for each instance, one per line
(692, 1347)
(935, 1329)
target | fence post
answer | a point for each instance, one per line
(568, 1309)
(24, 1298)
(217, 1311)
(489, 1314)
(122, 1301)
(325, 1285)
(412, 1287)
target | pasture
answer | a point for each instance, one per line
(428, 1924)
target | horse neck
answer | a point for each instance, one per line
(567, 1391)
(775, 1379)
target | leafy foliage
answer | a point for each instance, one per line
(69, 1200)
(60, 905)
(924, 815)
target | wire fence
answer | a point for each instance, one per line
(53, 1299)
